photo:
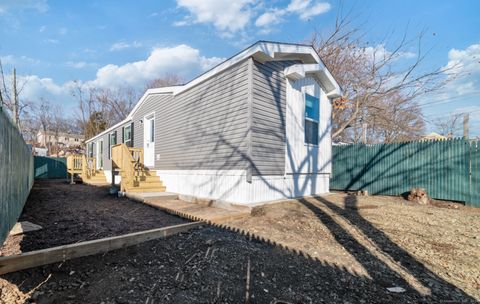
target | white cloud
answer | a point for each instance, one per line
(464, 71)
(227, 16)
(182, 59)
(18, 60)
(316, 9)
(52, 41)
(8, 6)
(79, 64)
(269, 18)
(124, 45)
(305, 9)
(42, 29)
(380, 53)
(63, 31)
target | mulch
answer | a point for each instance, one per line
(75, 213)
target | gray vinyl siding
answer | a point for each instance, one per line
(203, 128)
(207, 126)
(107, 162)
(268, 117)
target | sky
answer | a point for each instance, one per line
(112, 43)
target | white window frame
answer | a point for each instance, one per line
(310, 119)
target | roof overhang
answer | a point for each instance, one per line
(261, 51)
(318, 70)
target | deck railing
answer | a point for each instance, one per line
(80, 164)
(74, 163)
(130, 163)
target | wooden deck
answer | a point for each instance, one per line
(170, 203)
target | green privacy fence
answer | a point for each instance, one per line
(448, 169)
(16, 174)
(50, 167)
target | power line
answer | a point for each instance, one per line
(447, 99)
(450, 114)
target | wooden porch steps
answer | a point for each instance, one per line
(98, 179)
(146, 181)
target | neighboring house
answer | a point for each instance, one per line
(434, 136)
(51, 138)
(255, 128)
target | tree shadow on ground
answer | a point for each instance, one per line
(387, 263)
(208, 265)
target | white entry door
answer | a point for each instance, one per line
(149, 140)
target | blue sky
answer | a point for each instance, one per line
(115, 43)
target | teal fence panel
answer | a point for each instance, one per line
(50, 167)
(449, 169)
(16, 174)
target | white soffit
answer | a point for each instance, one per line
(299, 71)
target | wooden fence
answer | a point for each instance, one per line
(16, 174)
(448, 169)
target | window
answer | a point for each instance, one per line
(312, 112)
(90, 149)
(152, 130)
(127, 135)
(112, 142)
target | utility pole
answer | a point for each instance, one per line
(364, 133)
(466, 119)
(15, 98)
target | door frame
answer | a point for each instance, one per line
(150, 116)
(99, 155)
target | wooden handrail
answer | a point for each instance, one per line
(129, 161)
(74, 163)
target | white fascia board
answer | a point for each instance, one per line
(108, 130)
(299, 71)
(165, 90)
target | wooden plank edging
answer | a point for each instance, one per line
(66, 252)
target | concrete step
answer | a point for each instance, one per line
(157, 196)
(141, 189)
(150, 185)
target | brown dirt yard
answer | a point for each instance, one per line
(353, 249)
(426, 248)
(76, 213)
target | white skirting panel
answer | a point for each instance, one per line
(108, 176)
(231, 186)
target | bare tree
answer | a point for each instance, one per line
(378, 91)
(10, 96)
(100, 108)
(168, 79)
(449, 126)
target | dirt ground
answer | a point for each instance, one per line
(431, 249)
(75, 213)
(353, 250)
(211, 265)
